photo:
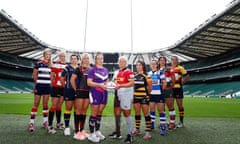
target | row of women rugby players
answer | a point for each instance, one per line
(74, 83)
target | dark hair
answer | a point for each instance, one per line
(164, 59)
(143, 65)
(73, 56)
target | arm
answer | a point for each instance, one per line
(164, 84)
(185, 79)
(173, 79)
(52, 76)
(126, 85)
(62, 79)
(35, 75)
(91, 83)
(149, 83)
(72, 81)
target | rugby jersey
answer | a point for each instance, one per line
(67, 73)
(82, 74)
(179, 72)
(57, 68)
(157, 78)
(44, 71)
(98, 75)
(140, 85)
(124, 76)
(168, 72)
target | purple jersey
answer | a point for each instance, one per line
(98, 75)
(98, 95)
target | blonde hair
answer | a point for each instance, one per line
(50, 59)
(85, 55)
(124, 58)
(62, 52)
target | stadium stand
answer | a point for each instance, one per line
(210, 53)
(15, 86)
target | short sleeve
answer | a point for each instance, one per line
(64, 72)
(91, 73)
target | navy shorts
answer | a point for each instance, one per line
(57, 92)
(157, 98)
(69, 94)
(39, 90)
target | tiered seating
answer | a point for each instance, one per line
(8, 85)
(234, 55)
(15, 72)
(212, 89)
(215, 74)
(16, 60)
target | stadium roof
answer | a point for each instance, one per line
(217, 35)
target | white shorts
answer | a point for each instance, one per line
(125, 96)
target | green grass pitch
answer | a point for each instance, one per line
(207, 121)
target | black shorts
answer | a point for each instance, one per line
(56, 92)
(69, 94)
(178, 93)
(116, 102)
(143, 100)
(82, 94)
(157, 98)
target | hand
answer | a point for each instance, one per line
(117, 87)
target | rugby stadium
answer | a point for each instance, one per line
(210, 54)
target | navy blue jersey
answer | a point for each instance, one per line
(67, 73)
(44, 72)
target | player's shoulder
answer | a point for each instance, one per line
(39, 62)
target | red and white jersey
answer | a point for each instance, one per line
(57, 69)
(124, 76)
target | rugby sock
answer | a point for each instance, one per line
(153, 116)
(67, 116)
(58, 114)
(82, 122)
(129, 124)
(45, 113)
(118, 123)
(76, 122)
(148, 123)
(74, 117)
(98, 122)
(137, 121)
(33, 115)
(51, 116)
(162, 120)
(181, 115)
(92, 121)
(172, 114)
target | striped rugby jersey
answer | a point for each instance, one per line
(157, 78)
(44, 71)
(140, 85)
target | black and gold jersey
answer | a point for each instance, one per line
(141, 85)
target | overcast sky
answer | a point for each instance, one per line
(156, 24)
